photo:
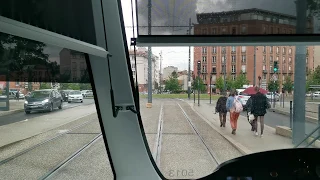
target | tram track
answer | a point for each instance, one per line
(42, 160)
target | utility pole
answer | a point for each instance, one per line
(254, 67)
(224, 71)
(189, 63)
(298, 130)
(160, 73)
(149, 104)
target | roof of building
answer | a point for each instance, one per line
(202, 17)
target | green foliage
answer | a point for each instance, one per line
(220, 83)
(288, 84)
(273, 85)
(199, 84)
(313, 7)
(229, 83)
(313, 78)
(45, 86)
(240, 81)
(172, 84)
(75, 86)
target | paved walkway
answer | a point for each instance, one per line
(244, 140)
(15, 106)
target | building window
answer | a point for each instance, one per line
(17, 82)
(264, 49)
(224, 30)
(222, 68)
(277, 50)
(223, 50)
(277, 58)
(283, 50)
(214, 31)
(204, 69)
(243, 29)
(233, 77)
(214, 50)
(283, 67)
(289, 68)
(214, 59)
(204, 31)
(204, 59)
(264, 59)
(290, 60)
(214, 69)
(271, 59)
(204, 77)
(271, 49)
(290, 50)
(204, 50)
(307, 60)
(271, 68)
(234, 30)
(243, 59)
(264, 67)
(233, 49)
(283, 59)
(233, 59)
(243, 48)
(264, 76)
(243, 68)
(222, 59)
(233, 68)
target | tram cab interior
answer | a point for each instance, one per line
(99, 32)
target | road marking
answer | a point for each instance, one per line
(157, 146)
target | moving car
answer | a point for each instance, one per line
(64, 94)
(43, 100)
(273, 96)
(87, 93)
(75, 96)
(244, 98)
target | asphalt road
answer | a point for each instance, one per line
(21, 116)
(274, 119)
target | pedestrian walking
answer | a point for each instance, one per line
(259, 108)
(234, 106)
(17, 95)
(221, 108)
(248, 109)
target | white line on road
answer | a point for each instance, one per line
(157, 146)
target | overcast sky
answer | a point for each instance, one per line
(178, 12)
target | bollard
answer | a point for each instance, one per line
(283, 100)
(291, 115)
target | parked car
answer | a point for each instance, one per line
(65, 94)
(43, 100)
(87, 93)
(273, 96)
(75, 96)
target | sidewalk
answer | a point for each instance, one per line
(14, 107)
(245, 141)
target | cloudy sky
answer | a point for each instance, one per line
(177, 13)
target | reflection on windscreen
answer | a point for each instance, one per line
(40, 94)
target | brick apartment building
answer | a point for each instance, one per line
(240, 59)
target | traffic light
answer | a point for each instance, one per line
(275, 66)
(199, 66)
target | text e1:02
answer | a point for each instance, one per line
(182, 172)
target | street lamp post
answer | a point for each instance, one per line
(210, 86)
(199, 69)
(224, 72)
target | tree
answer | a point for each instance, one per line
(45, 86)
(288, 84)
(313, 7)
(172, 84)
(198, 84)
(229, 83)
(273, 85)
(220, 83)
(240, 81)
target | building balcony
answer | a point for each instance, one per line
(204, 72)
(233, 72)
(265, 71)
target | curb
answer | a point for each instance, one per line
(308, 118)
(5, 113)
(242, 149)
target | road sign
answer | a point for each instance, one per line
(274, 77)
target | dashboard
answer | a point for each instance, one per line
(301, 163)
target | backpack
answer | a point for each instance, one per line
(237, 105)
